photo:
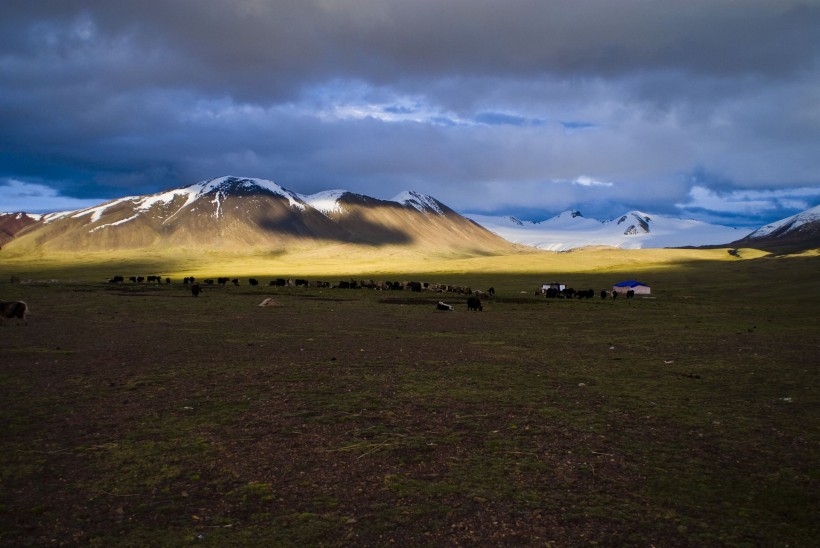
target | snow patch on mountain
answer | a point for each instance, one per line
(325, 202)
(421, 202)
(633, 230)
(120, 222)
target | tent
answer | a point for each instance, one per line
(638, 287)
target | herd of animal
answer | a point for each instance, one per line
(570, 293)
(19, 309)
(196, 286)
(297, 282)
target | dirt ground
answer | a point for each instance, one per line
(137, 415)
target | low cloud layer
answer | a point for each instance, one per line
(526, 107)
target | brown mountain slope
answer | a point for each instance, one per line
(12, 223)
(383, 222)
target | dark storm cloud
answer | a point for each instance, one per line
(484, 104)
(255, 49)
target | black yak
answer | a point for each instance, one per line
(474, 303)
(14, 309)
(196, 290)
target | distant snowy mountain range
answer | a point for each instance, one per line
(236, 212)
(633, 230)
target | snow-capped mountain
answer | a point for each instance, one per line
(633, 230)
(235, 213)
(177, 200)
(795, 223)
(796, 233)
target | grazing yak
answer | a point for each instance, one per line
(474, 303)
(196, 290)
(14, 309)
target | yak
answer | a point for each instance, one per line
(14, 309)
(474, 303)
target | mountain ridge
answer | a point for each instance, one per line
(632, 230)
(795, 233)
(241, 214)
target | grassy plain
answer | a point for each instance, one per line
(139, 415)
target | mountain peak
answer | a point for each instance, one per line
(635, 222)
(240, 186)
(569, 214)
(232, 183)
(421, 202)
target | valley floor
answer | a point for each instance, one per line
(139, 415)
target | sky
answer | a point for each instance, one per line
(706, 109)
